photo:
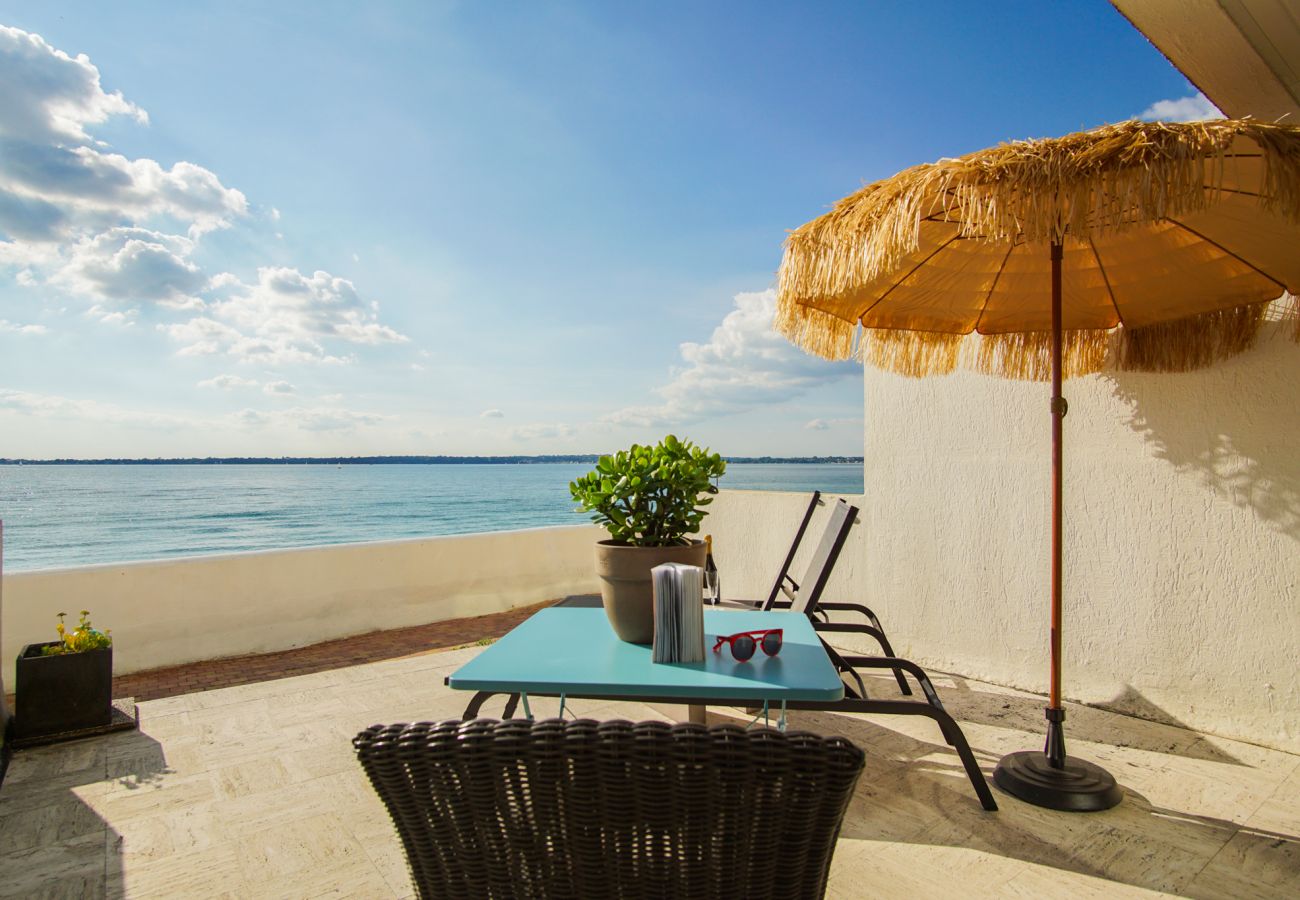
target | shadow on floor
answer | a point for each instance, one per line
(1129, 720)
(915, 792)
(53, 842)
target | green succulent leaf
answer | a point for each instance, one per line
(651, 496)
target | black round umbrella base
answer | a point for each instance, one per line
(1079, 787)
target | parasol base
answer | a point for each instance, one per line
(1080, 786)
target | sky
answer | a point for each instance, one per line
(327, 228)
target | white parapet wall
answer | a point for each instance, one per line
(1182, 537)
(176, 611)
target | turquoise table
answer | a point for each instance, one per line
(573, 653)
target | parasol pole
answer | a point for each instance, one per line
(1050, 778)
(1055, 747)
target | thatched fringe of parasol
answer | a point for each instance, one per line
(1191, 343)
(1027, 355)
(1086, 184)
(1180, 346)
(817, 332)
(911, 353)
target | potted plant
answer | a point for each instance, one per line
(649, 499)
(64, 685)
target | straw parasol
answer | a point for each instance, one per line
(1144, 246)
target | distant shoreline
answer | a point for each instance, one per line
(589, 458)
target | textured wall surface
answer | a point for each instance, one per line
(1182, 537)
(176, 611)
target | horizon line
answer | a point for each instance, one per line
(392, 459)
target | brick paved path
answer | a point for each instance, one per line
(235, 670)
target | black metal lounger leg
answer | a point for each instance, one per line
(889, 651)
(843, 667)
(481, 697)
(898, 665)
(952, 732)
(898, 673)
(957, 740)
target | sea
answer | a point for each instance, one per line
(73, 515)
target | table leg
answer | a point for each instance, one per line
(697, 714)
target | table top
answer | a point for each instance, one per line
(574, 651)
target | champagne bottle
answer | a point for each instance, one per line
(712, 585)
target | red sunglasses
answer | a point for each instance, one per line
(743, 643)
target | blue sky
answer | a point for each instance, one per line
(491, 227)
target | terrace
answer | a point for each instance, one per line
(253, 790)
(1182, 672)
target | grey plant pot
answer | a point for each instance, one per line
(625, 586)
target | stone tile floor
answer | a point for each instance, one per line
(252, 791)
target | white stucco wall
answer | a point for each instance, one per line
(1182, 531)
(177, 611)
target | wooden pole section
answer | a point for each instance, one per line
(1058, 415)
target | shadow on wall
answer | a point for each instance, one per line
(1234, 426)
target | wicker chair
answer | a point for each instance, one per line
(611, 809)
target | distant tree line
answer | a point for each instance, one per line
(589, 458)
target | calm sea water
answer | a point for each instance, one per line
(76, 515)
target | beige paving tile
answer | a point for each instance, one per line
(1252, 865)
(67, 868)
(252, 777)
(357, 880)
(155, 798)
(313, 844)
(213, 871)
(1035, 882)
(60, 817)
(145, 839)
(76, 761)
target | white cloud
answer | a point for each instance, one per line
(47, 95)
(121, 318)
(491, 414)
(130, 266)
(540, 431)
(124, 233)
(310, 419)
(278, 388)
(744, 364)
(15, 328)
(252, 418)
(89, 411)
(204, 336)
(1195, 108)
(286, 317)
(827, 424)
(228, 382)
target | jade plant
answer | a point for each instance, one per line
(650, 496)
(84, 637)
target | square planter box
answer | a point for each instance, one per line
(61, 693)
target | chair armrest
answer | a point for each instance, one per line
(856, 607)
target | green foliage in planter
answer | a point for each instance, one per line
(83, 637)
(650, 496)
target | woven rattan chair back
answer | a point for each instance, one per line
(584, 809)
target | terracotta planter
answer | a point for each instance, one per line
(54, 694)
(625, 585)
